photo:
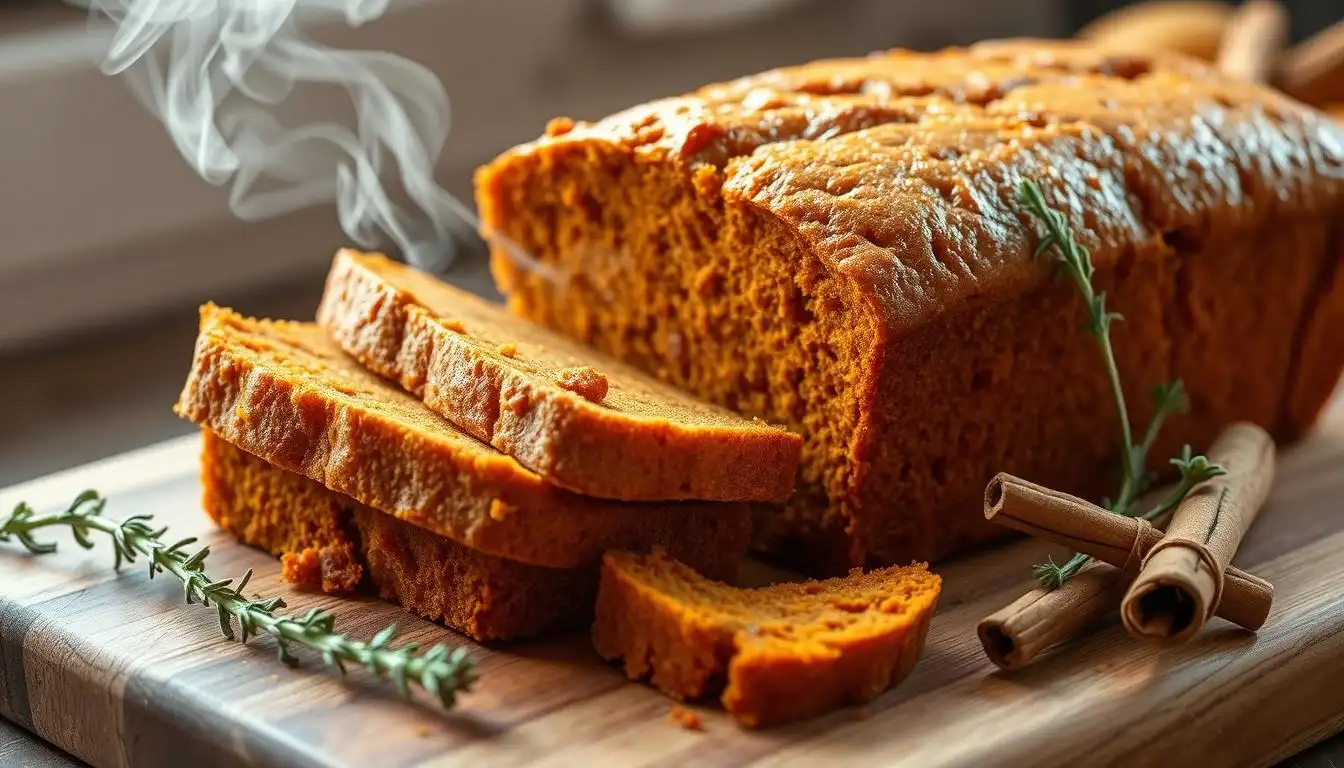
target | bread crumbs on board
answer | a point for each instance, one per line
(688, 719)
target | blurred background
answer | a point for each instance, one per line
(111, 241)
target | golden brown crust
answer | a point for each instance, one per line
(900, 169)
(329, 540)
(838, 247)
(622, 435)
(284, 392)
(786, 652)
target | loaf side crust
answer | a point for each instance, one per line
(495, 377)
(900, 169)
(787, 652)
(283, 391)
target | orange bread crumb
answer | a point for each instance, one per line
(329, 540)
(584, 382)
(559, 126)
(688, 719)
(304, 569)
(786, 652)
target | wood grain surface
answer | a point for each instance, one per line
(114, 669)
(18, 748)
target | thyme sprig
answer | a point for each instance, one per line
(1168, 397)
(440, 671)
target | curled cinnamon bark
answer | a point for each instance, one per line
(1181, 582)
(1014, 636)
(1253, 39)
(1121, 541)
(1313, 70)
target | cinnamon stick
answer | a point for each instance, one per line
(1181, 581)
(1121, 541)
(1313, 70)
(1014, 636)
(1253, 39)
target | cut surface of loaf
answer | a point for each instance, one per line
(509, 382)
(329, 541)
(782, 653)
(285, 392)
(839, 247)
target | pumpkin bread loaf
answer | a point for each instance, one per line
(780, 653)
(578, 419)
(331, 542)
(838, 247)
(284, 392)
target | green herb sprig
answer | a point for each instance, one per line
(1076, 261)
(441, 671)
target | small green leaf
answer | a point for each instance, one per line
(397, 674)
(383, 637)
(282, 653)
(1048, 574)
(225, 626)
(35, 546)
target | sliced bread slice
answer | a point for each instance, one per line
(578, 418)
(330, 541)
(285, 392)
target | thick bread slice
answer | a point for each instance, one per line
(283, 391)
(498, 378)
(331, 541)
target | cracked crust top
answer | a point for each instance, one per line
(901, 169)
(503, 380)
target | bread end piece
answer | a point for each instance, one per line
(777, 654)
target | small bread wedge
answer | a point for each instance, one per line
(787, 651)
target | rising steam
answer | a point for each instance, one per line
(216, 72)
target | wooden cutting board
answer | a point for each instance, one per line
(117, 671)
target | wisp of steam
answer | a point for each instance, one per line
(215, 71)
